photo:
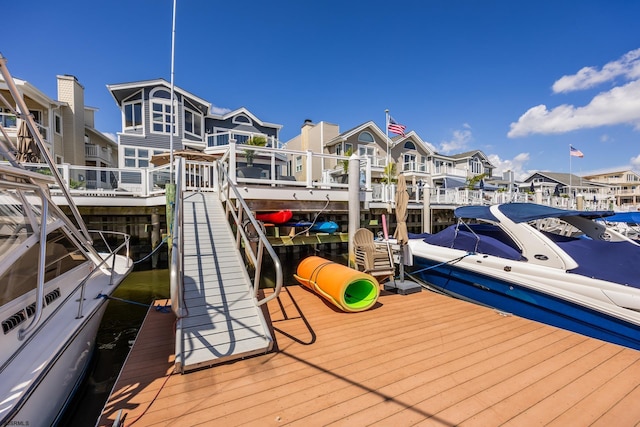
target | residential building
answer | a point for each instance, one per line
(412, 156)
(67, 125)
(147, 123)
(624, 186)
(565, 185)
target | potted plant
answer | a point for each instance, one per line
(344, 177)
(257, 141)
(389, 174)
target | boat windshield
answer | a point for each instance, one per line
(22, 276)
(17, 219)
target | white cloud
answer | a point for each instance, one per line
(516, 165)
(620, 105)
(635, 161)
(219, 110)
(627, 66)
(460, 141)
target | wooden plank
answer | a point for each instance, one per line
(419, 359)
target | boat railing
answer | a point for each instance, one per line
(245, 222)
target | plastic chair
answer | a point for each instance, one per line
(370, 258)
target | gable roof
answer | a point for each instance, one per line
(356, 130)
(243, 110)
(565, 179)
(122, 91)
(414, 137)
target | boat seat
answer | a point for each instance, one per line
(370, 258)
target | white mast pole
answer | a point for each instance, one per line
(173, 44)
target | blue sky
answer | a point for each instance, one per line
(519, 80)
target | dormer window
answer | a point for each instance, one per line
(242, 119)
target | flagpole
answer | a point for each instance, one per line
(570, 195)
(386, 129)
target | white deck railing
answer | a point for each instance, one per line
(281, 168)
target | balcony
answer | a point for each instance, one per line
(223, 138)
(96, 152)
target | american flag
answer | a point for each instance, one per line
(395, 127)
(575, 152)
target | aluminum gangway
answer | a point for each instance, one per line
(220, 317)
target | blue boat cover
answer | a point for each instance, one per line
(628, 217)
(492, 240)
(612, 261)
(523, 212)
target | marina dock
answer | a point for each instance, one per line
(419, 359)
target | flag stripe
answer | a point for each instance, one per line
(575, 152)
(395, 127)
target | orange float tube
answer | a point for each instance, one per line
(348, 289)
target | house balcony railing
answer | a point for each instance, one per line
(92, 151)
(444, 170)
(10, 124)
(415, 167)
(275, 169)
(8, 121)
(239, 137)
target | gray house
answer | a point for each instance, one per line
(146, 122)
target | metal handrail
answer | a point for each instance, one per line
(176, 278)
(237, 211)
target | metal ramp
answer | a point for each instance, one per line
(222, 321)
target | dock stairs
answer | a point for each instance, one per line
(221, 319)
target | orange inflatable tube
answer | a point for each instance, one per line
(348, 289)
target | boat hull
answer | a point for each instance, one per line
(526, 302)
(48, 401)
(49, 369)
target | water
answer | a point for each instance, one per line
(122, 321)
(115, 336)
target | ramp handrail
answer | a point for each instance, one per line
(176, 273)
(237, 209)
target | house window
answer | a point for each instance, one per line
(409, 145)
(476, 166)
(348, 148)
(57, 124)
(365, 152)
(133, 110)
(365, 137)
(298, 164)
(242, 120)
(409, 162)
(7, 119)
(136, 157)
(133, 114)
(192, 123)
(161, 112)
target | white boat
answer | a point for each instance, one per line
(54, 287)
(552, 265)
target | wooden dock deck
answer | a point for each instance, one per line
(418, 359)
